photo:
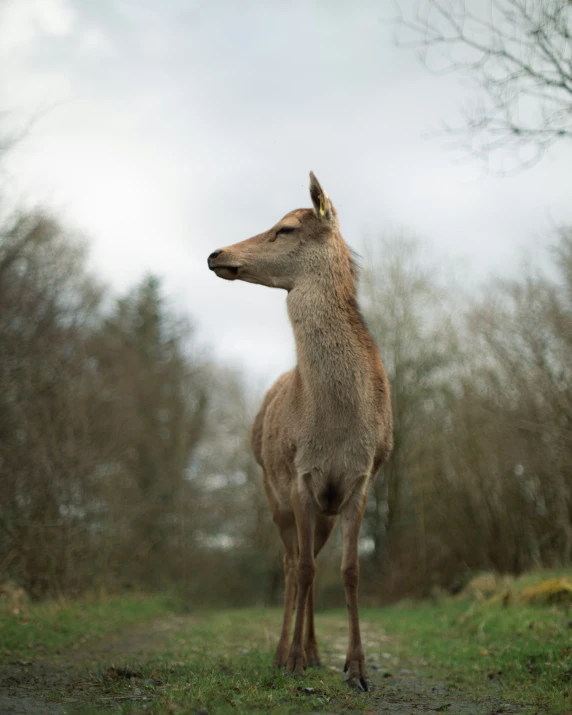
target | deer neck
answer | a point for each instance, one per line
(332, 342)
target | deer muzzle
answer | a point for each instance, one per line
(222, 266)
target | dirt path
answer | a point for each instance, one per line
(399, 691)
(412, 695)
(70, 677)
(26, 686)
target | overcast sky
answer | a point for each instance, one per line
(171, 128)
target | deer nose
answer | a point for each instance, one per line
(213, 255)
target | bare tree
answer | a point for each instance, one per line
(410, 312)
(98, 423)
(481, 476)
(522, 384)
(47, 307)
(153, 401)
(517, 52)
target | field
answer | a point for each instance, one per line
(147, 655)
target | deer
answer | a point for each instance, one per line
(325, 428)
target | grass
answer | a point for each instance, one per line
(224, 665)
(525, 650)
(219, 661)
(47, 627)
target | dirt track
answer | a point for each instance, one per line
(63, 683)
(27, 687)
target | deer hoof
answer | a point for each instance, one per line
(358, 678)
(361, 685)
(312, 657)
(280, 658)
(295, 663)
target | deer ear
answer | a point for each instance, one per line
(322, 205)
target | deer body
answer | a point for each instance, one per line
(325, 428)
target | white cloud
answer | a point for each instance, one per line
(180, 132)
(95, 42)
(22, 21)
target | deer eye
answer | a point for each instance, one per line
(285, 229)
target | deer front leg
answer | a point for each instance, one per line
(286, 525)
(310, 641)
(289, 597)
(305, 518)
(324, 526)
(351, 519)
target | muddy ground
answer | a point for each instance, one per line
(27, 687)
(65, 683)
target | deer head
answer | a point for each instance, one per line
(292, 250)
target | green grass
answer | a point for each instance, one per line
(230, 655)
(45, 628)
(525, 650)
(220, 661)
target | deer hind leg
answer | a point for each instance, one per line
(287, 526)
(351, 519)
(324, 526)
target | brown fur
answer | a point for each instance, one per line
(325, 428)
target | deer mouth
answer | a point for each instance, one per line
(229, 273)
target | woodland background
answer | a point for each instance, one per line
(124, 449)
